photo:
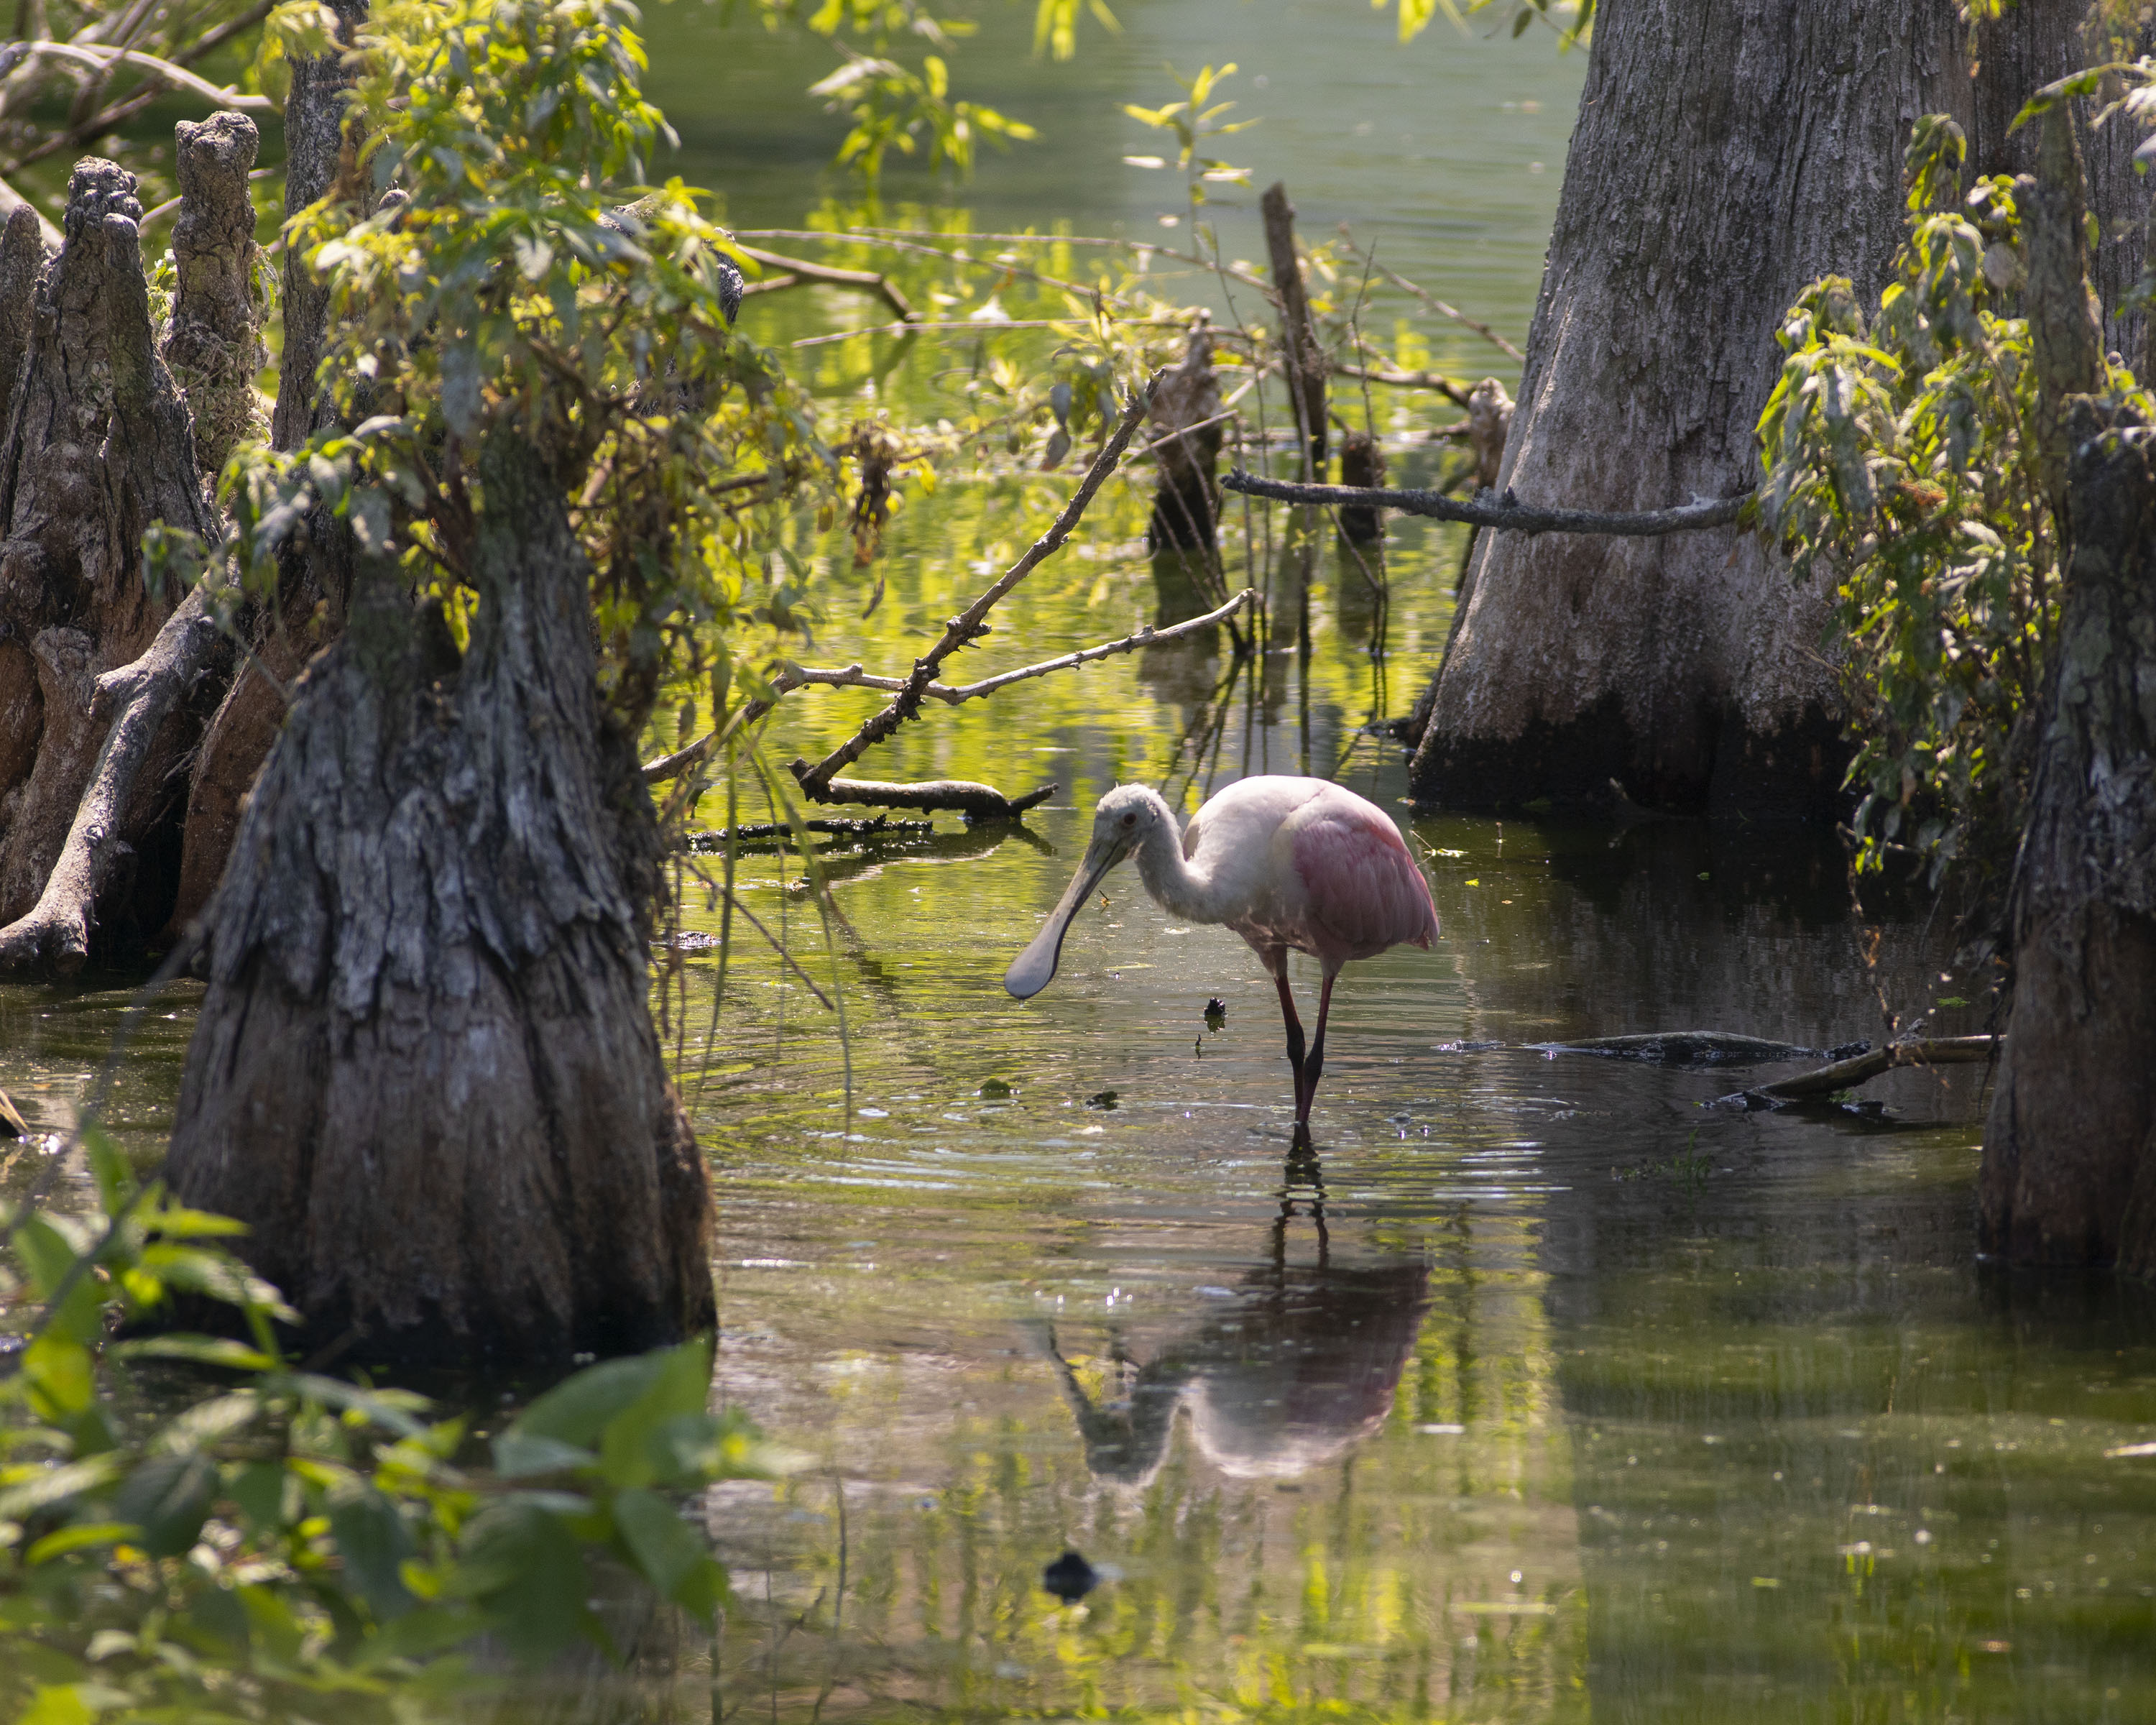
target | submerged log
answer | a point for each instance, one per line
(425, 1071)
(1698, 1048)
(951, 796)
(1847, 1073)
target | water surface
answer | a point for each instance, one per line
(1550, 1386)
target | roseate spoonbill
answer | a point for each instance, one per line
(1284, 862)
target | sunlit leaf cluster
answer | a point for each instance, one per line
(274, 1544)
(498, 266)
(1572, 20)
(1901, 464)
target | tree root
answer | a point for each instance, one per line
(129, 705)
(1921, 1052)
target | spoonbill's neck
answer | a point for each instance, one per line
(1173, 884)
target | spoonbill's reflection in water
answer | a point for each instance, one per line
(1292, 1375)
(1299, 865)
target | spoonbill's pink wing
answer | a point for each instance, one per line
(1366, 893)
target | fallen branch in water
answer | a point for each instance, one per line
(1922, 1051)
(864, 827)
(799, 272)
(976, 801)
(950, 796)
(1505, 512)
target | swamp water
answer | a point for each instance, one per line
(1547, 1390)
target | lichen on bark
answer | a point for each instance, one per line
(213, 345)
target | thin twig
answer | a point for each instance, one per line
(966, 626)
(733, 899)
(1503, 512)
(172, 74)
(1451, 388)
(965, 258)
(800, 269)
(797, 676)
(978, 326)
(1143, 247)
(1435, 304)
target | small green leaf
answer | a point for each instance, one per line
(167, 1497)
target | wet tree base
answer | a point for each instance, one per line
(1708, 763)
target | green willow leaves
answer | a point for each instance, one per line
(1902, 465)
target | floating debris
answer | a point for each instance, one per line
(1070, 1578)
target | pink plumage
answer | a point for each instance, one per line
(1366, 893)
(1288, 864)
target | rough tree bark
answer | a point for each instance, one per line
(1691, 671)
(425, 1070)
(1300, 351)
(1186, 505)
(311, 582)
(98, 448)
(2069, 1173)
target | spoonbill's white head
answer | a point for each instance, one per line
(1126, 814)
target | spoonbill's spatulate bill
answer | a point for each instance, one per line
(1287, 863)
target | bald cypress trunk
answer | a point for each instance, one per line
(2069, 1173)
(98, 448)
(2070, 1148)
(1725, 156)
(425, 1071)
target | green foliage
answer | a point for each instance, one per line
(291, 1545)
(893, 105)
(1415, 16)
(1901, 464)
(488, 278)
(1192, 122)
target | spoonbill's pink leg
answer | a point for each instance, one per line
(1314, 1063)
(1294, 1038)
